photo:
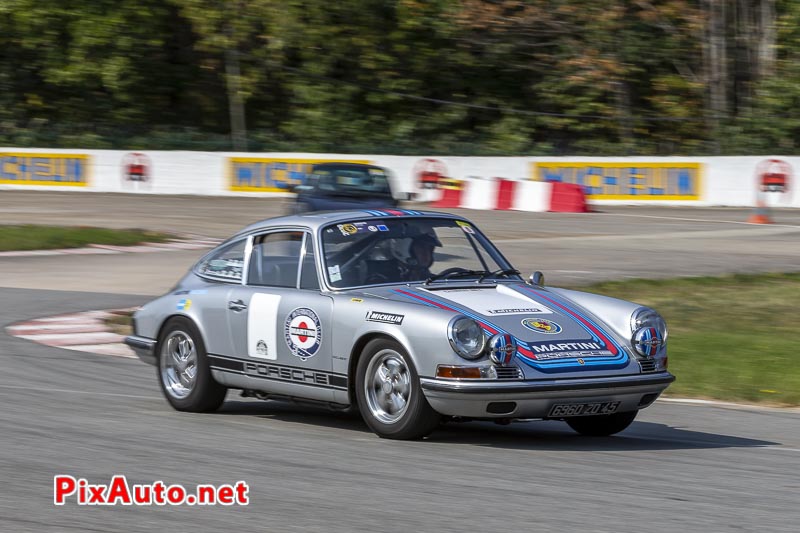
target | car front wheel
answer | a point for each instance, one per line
(183, 371)
(388, 393)
(602, 425)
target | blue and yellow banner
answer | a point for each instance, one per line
(626, 181)
(26, 168)
(260, 174)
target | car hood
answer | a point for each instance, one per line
(551, 330)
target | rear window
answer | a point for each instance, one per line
(352, 181)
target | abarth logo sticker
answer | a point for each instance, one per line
(303, 332)
(542, 325)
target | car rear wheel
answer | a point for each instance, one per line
(183, 371)
(388, 393)
(602, 425)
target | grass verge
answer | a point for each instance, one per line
(32, 237)
(732, 338)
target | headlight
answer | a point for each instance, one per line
(466, 337)
(648, 330)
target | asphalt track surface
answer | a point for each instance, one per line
(678, 467)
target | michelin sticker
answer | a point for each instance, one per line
(303, 333)
(261, 330)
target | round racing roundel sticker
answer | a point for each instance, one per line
(303, 332)
(541, 325)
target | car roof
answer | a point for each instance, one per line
(315, 220)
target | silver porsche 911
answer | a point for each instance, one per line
(410, 317)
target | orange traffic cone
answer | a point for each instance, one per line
(760, 215)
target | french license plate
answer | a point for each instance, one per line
(583, 409)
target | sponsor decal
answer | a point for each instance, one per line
(267, 174)
(570, 349)
(356, 300)
(184, 304)
(515, 311)
(136, 168)
(541, 325)
(297, 375)
(261, 348)
(303, 333)
(347, 229)
(386, 318)
(372, 228)
(20, 168)
(625, 181)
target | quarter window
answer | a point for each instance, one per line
(225, 264)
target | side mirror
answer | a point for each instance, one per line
(537, 278)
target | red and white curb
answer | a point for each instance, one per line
(84, 332)
(185, 242)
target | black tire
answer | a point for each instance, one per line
(417, 418)
(202, 394)
(601, 425)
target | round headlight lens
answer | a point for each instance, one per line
(644, 317)
(466, 337)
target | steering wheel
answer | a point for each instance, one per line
(450, 271)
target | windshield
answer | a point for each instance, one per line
(404, 250)
(351, 180)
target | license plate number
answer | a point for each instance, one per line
(584, 409)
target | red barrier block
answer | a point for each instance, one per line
(451, 197)
(505, 194)
(568, 198)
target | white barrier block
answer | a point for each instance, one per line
(532, 196)
(480, 194)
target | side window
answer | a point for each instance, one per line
(226, 264)
(308, 271)
(275, 259)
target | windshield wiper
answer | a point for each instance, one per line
(457, 274)
(500, 272)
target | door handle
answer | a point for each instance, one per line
(237, 305)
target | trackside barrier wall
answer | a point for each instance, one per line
(701, 181)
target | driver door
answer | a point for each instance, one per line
(280, 322)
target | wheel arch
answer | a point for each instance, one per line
(355, 356)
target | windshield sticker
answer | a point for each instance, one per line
(372, 228)
(303, 333)
(262, 329)
(385, 318)
(465, 226)
(347, 229)
(353, 228)
(335, 273)
(382, 227)
(541, 325)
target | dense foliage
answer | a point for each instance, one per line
(489, 77)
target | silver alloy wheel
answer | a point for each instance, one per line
(178, 363)
(387, 385)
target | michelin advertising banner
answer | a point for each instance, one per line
(44, 169)
(673, 181)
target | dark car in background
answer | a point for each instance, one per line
(355, 186)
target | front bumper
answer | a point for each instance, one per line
(143, 347)
(535, 399)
